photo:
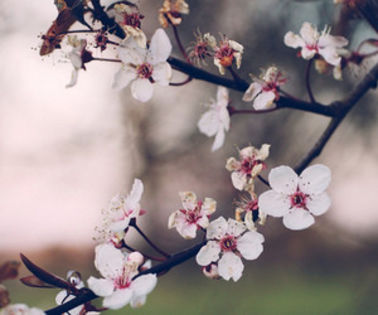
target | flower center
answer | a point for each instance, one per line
(228, 243)
(122, 281)
(225, 54)
(201, 50)
(144, 70)
(248, 164)
(298, 199)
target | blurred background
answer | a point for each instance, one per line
(65, 152)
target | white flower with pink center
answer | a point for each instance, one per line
(313, 43)
(228, 241)
(194, 215)
(144, 67)
(117, 285)
(122, 209)
(248, 166)
(264, 92)
(21, 309)
(216, 121)
(297, 199)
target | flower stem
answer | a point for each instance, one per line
(107, 59)
(188, 79)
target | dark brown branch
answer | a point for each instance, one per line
(342, 108)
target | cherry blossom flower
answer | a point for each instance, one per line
(264, 92)
(79, 56)
(143, 67)
(226, 52)
(313, 43)
(297, 199)
(117, 285)
(248, 167)
(200, 49)
(216, 121)
(248, 207)
(172, 11)
(194, 215)
(122, 209)
(129, 17)
(227, 242)
(21, 309)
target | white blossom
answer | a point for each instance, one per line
(226, 52)
(297, 199)
(264, 92)
(228, 241)
(117, 285)
(216, 121)
(21, 309)
(144, 67)
(312, 43)
(194, 215)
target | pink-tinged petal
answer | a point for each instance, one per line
(188, 199)
(118, 299)
(133, 199)
(298, 219)
(235, 228)
(315, 179)
(222, 96)
(209, 206)
(250, 245)
(143, 285)
(283, 179)
(162, 73)
(318, 204)
(274, 204)
(217, 229)
(187, 230)
(292, 40)
(252, 91)
(123, 77)
(74, 77)
(333, 41)
(230, 266)
(138, 301)
(208, 253)
(160, 47)
(101, 287)
(209, 123)
(307, 53)
(109, 261)
(330, 55)
(309, 33)
(131, 53)
(239, 180)
(119, 225)
(264, 100)
(219, 140)
(142, 89)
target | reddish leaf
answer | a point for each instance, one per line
(33, 281)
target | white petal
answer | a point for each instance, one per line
(123, 77)
(160, 47)
(252, 91)
(119, 225)
(209, 123)
(224, 118)
(293, 40)
(188, 199)
(249, 245)
(74, 76)
(63, 298)
(264, 101)
(283, 179)
(142, 89)
(109, 261)
(133, 199)
(209, 206)
(187, 230)
(298, 219)
(318, 204)
(219, 140)
(118, 299)
(330, 55)
(222, 96)
(274, 203)
(138, 301)
(208, 253)
(307, 53)
(239, 180)
(143, 285)
(76, 60)
(309, 33)
(217, 229)
(315, 179)
(230, 266)
(235, 228)
(101, 287)
(162, 73)
(131, 53)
